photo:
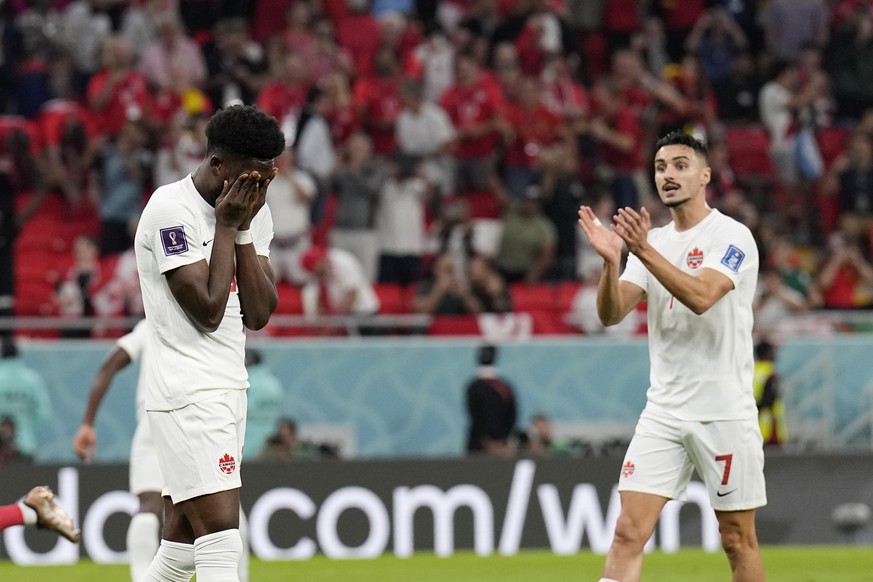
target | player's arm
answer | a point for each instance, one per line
(615, 298)
(697, 293)
(255, 280)
(85, 440)
(202, 288)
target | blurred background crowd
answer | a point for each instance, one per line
(438, 150)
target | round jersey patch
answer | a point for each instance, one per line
(694, 258)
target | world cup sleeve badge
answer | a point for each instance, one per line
(733, 258)
(174, 241)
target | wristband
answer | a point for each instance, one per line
(244, 237)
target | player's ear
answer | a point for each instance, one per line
(215, 164)
(706, 176)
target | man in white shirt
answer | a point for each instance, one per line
(338, 285)
(424, 130)
(202, 251)
(145, 478)
(698, 275)
(291, 194)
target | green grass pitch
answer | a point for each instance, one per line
(783, 564)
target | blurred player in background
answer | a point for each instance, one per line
(39, 508)
(202, 252)
(698, 275)
(145, 478)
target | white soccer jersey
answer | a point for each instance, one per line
(176, 229)
(134, 344)
(702, 365)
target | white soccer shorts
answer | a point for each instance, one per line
(145, 470)
(200, 445)
(727, 454)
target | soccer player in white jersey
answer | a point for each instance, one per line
(145, 478)
(202, 252)
(698, 274)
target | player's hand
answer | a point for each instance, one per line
(606, 242)
(85, 443)
(234, 204)
(260, 198)
(633, 227)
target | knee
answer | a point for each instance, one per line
(630, 532)
(736, 542)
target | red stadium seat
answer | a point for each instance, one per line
(565, 293)
(392, 298)
(749, 152)
(831, 143)
(290, 301)
(454, 325)
(527, 298)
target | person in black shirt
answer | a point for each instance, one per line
(491, 406)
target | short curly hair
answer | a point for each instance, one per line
(245, 131)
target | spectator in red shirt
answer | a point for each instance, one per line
(618, 134)
(268, 18)
(359, 34)
(378, 101)
(284, 97)
(341, 112)
(845, 277)
(297, 34)
(474, 108)
(699, 109)
(531, 127)
(562, 94)
(679, 19)
(328, 57)
(70, 137)
(116, 92)
(621, 18)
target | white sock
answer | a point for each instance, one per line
(28, 513)
(143, 538)
(217, 556)
(174, 562)
(607, 580)
(244, 536)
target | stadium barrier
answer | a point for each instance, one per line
(358, 509)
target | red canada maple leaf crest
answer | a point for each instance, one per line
(227, 464)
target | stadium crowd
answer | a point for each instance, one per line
(441, 149)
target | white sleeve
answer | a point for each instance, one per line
(172, 232)
(134, 342)
(262, 231)
(734, 252)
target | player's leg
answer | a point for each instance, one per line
(218, 546)
(174, 560)
(740, 543)
(39, 508)
(655, 469)
(146, 482)
(144, 533)
(636, 522)
(200, 449)
(246, 547)
(729, 457)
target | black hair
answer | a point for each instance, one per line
(778, 68)
(244, 131)
(682, 138)
(487, 355)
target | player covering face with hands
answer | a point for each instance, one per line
(698, 274)
(202, 252)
